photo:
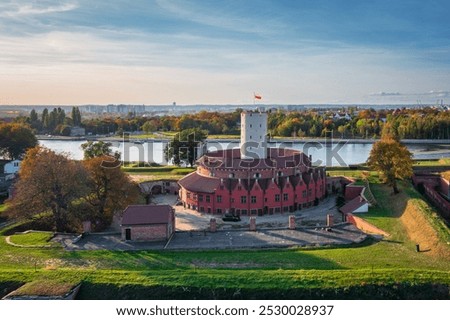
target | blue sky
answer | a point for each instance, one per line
(220, 52)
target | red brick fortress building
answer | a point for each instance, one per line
(254, 179)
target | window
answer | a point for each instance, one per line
(285, 197)
(277, 210)
(257, 175)
(304, 193)
(202, 209)
(195, 196)
(285, 209)
(200, 197)
(188, 195)
(277, 198)
(253, 212)
(250, 126)
(243, 199)
(239, 188)
(16, 164)
(232, 200)
(208, 199)
(309, 192)
(253, 199)
(219, 199)
(244, 212)
(219, 211)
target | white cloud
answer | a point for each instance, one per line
(214, 17)
(17, 10)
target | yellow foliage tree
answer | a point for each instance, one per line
(392, 159)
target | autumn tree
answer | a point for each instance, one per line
(110, 189)
(15, 139)
(392, 159)
(49, 182)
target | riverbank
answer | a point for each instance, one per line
(108, 138)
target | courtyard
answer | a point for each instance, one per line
(191, 220)
(271, 231)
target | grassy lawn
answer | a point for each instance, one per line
(33, 239)
(434, 162)
(157, 173)
(223, 136)
(254, 273)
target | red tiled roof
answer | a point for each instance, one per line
(352, 191)
(197, 183)
(277, 158)
(146, 214)
(352, 205)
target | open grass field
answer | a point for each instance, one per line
(141, 174)
(390, 268)
(33, 239)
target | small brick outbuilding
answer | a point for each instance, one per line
(148, 223)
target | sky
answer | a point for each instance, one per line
(76, 52)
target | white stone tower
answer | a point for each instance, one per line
(253, 135)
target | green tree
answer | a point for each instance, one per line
(33, 116)
(149, 126)
(49, 182)
(392, 159)
(94, 149)
(184, 146)
(76, 116)
(15, 139)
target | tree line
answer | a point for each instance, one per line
(53, 122)
(421, 123)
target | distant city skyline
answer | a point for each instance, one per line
(222, 52)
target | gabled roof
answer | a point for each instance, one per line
(197, 183)
(146, 214)
(353, 205)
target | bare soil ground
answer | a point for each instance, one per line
(418, 228)
(420, 231)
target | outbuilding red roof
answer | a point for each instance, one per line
(352, 191)
(147, 214)
(353, 205)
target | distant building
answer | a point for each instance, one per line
(77, 132)
(148, 223)
(12, 167)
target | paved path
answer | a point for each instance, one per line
(279, 238)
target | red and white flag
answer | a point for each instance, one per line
(257, 96)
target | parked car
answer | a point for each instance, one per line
(230, 217)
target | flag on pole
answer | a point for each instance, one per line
(257, 96)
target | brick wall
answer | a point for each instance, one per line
(157, 232)
(438, 201)
(365, 226)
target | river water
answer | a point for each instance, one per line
(330, 155)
